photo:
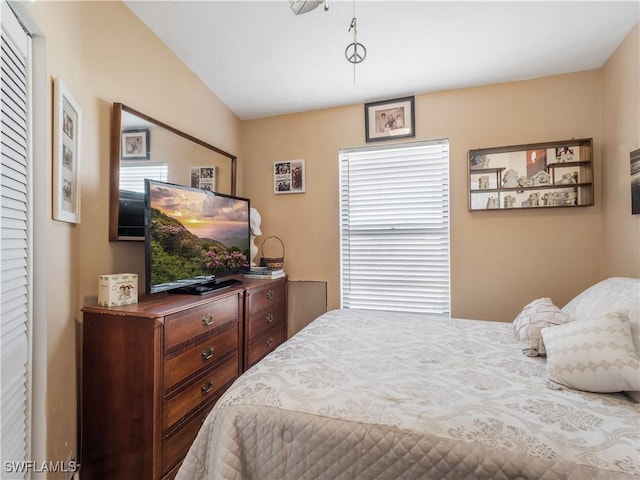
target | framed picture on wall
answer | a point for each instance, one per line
(204, 178)
(634, 158)
(67, 122)
(135, 144)
(288, 177)
(389, 119)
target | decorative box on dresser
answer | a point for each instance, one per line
(150, 374)
(265, 317)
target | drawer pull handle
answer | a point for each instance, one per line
(208, 319)
(269, 342)
(269, 294)
(207, 354)
(206, 388)
(269, 317)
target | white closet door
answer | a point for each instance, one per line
(15, 263)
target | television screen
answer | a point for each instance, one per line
(192, 237)
(131, 215)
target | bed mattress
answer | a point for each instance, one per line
(370, 394)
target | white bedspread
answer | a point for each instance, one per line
(362, 394)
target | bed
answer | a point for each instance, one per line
(373, 394)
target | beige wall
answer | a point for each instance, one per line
(499, 260)
(104, 54)
(621, 133)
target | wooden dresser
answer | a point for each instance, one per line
(265, 322)
(152, 371)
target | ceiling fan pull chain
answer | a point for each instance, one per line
(355, 52)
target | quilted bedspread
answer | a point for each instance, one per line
(363, 394)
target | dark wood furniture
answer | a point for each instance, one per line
(265, 324)
(152, 371)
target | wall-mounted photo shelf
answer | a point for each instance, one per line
(537, 175)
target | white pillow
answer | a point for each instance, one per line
(615, 294)
(595, 355)
(538, 314)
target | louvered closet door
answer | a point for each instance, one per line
(16, 248)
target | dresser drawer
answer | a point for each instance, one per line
(265, 344)
(182, 364)
(176, 445)
(196, 321)
(200, 391)
(266, 297)
(265, 320)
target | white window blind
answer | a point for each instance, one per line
(15, 265)
(394, 215)
(132, 174)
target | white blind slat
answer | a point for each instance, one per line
(394, 222)
(132, 174)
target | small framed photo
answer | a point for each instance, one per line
(67, 120)
(135, 144)
(288, 176)
(389, 119)
(204, 178)
(634, 158)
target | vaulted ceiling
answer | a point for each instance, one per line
(261, 59)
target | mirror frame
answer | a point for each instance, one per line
(114, 176)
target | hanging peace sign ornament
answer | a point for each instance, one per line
(355, 53)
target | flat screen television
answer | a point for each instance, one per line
(131, 215)
(193, 238)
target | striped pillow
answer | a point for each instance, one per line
(538, 314)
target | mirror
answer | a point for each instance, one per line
(142, 147)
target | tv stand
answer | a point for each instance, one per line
(209, 287)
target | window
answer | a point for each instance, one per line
(394, 224)
(16, 264)
(132, 174)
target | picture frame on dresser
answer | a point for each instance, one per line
(67, 133)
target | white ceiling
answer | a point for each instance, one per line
(262, 60)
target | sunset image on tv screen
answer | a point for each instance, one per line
(195, 233)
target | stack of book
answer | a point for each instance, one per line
(264, 273)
